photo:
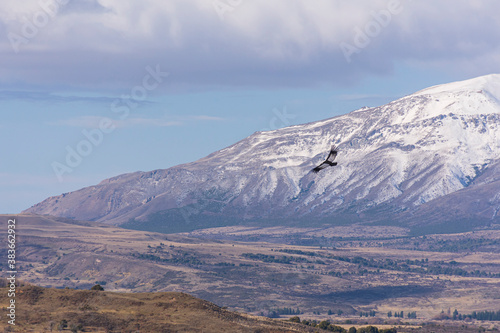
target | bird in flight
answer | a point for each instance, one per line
(328, 162)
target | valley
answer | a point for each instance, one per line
(339, 274)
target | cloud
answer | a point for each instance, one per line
(147, 122)
(107, 44)
(207, 118)
(26, 95)
(82, 6)
(94, 121)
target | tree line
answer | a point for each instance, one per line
(180, 258)
(274, 259)
(328, 326)
(281, 311)
(401, 314)
(478, 315)
(423, 266)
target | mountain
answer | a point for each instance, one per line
(430, 157)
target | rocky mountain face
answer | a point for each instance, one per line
(432, 157)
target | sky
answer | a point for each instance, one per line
(90, 89)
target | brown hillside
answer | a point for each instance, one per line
(100, 311)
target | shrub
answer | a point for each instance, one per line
(62, 324)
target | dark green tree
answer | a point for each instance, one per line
(324, 324)
(97, 287)
(368, 329)
(389, 330)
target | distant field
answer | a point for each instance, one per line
(337, 231)
(337, 273)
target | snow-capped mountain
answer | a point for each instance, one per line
(393, 162)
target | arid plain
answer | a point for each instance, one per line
(334, 273)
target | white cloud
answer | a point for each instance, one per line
(147, 122)
(207, 118)
(94, 121)
(106, 44)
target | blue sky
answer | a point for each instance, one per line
(158, 83)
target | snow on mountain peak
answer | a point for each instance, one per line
(489, 84)
(473, 97)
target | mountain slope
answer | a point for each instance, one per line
(44, 308)
(475, 205)
(396, 158)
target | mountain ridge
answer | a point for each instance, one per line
(395, 157)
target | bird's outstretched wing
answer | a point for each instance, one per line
(333, 154)
(329, 160)
(320, 167)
